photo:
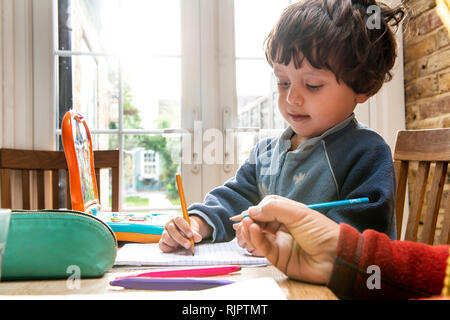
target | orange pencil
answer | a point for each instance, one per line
(183, 206)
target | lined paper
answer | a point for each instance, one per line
(149, 254)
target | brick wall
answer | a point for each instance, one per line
(427, 67)
(427, 73)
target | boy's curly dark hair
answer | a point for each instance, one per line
(342, 36)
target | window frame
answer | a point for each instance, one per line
(120, 132)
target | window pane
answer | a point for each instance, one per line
(257, 95)
(105, 141)
(253, 78)
(149, 28)
(250, 36)
(152, 93)
(150, 163)
(95, 25)
(95, 90)
(255, 83)
(145, 36)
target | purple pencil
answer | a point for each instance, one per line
(143, 283)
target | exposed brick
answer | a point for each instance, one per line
(412, 70)
(410, 31)
(435, 107)
(430, 123)
(428, 22)
(412, 112)
(444, 82)
(418, 68)
(428, 108)
(422, 88)
(438, 61)
(421, 48)
(426, 44)
(443, 38)
(417, 7)
(421, 67)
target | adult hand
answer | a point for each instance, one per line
(299, 241)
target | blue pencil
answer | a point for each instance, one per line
(331, 204)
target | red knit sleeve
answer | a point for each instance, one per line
(372, 266)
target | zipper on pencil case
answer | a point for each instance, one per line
(71, 212)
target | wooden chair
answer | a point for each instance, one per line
(424, 147)
(27, 161)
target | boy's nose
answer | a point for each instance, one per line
(294, 96)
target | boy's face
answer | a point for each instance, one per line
(311, 100)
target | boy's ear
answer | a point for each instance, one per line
(361, 97)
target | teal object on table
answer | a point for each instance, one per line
(53, 244)
(136, 227)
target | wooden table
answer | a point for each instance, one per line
(99, 287)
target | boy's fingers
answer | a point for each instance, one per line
(183, 225)
(164, 247)
(197, 237)
(167, 243)
(178, 236)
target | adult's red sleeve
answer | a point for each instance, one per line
(406, 269)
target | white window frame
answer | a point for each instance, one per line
(120, 132)
(44, 13)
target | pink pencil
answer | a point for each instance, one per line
(195, 272)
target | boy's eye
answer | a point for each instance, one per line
(283, 84)
(312, 87)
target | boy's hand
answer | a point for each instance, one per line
(243, 240)
(177, 233)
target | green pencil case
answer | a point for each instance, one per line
(57, 244)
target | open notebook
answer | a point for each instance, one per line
(149, 254)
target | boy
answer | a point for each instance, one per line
(326, 60)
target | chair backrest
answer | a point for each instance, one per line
(27, 161)
(423, 147)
